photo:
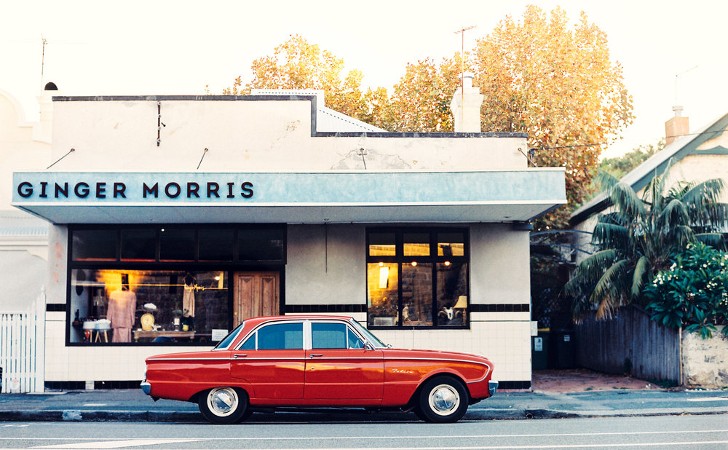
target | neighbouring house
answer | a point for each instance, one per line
(631, 342)
(174, 218)
(23, 247)
(694, 156)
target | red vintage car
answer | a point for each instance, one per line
(317, 361)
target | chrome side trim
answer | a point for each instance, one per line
(152, 359)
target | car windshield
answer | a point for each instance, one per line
(227, 340)
(373, 340)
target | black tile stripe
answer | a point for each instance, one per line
(514, 385)
(357, 308)
(501, 307)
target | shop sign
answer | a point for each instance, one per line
(124, 190)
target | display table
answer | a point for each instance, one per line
(142, 334)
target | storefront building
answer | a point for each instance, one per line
(173, 218)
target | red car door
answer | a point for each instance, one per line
(272, 362)
(339, 370)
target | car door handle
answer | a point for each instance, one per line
(315, 355)
(240, 355)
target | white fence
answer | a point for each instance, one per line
(21, 350)
(18, 345)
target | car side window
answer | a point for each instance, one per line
(282, 336)
(249, 344)
(328, 335)
(334, 335)
(353, 340)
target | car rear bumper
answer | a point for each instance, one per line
(146, 387)
(492, 387)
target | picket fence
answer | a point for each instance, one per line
(21, 350)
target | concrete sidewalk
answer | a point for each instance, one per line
(134, 406)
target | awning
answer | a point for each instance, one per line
(324, 197)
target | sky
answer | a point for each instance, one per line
(671, 51)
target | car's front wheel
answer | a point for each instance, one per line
(224, 405)
(442, 399)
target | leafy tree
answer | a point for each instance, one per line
(558, 84)
(298, 64)
(421, 99)
(637, 238)
(693, 292)
(622, 165)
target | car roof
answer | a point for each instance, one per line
(263, 319)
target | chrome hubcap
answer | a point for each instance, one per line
(222, 401)
(444, 399)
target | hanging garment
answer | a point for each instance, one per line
(122, 305)
(188, 301)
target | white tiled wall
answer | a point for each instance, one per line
(94, 363)
(506, 342)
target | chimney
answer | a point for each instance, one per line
(43, 130)
(677, 126)
(465, 106)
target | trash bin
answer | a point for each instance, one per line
(564, 348)
(540, 350)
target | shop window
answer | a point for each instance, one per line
(94, 245)
(165, 307)
(450, 244)
(452, 293)
(139, 244)
(416, 294)
(261, 245)
(216, 244)
(173, 281)
(382, 244)
(416, 244)
(383, 293)
(177, 244)
(409, 285)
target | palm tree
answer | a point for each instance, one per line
(637, 237)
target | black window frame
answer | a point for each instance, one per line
(433, 258)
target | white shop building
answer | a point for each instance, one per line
(173, 218)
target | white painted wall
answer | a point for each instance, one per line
(23, 238)
(499, 271)
(247, 136)
(326, 265)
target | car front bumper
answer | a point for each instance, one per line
(146, 387)
(492, 387)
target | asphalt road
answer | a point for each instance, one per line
(663, 432)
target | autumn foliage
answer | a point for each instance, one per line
(540, 75)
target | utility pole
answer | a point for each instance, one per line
(44, 42)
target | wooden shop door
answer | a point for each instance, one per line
(256, 294)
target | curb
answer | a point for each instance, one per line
(74, 415)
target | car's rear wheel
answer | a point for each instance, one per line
(224, 405)
(442, 399)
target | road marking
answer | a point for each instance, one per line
(426, 437)
(709, 399)
(119, 444)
